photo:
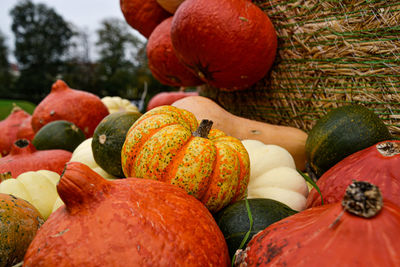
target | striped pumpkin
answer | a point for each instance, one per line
(167, 144)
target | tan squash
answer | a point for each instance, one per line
(290, 138)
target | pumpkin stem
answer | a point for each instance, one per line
(388, 148)
(362, 199)
(204, 129)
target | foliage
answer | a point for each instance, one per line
(5, 76)
(41, 39)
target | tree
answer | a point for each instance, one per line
(41, 39)
(5, 76)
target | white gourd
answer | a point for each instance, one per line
(116, 103)
(84, 154)
(36, 187)
(273, 175)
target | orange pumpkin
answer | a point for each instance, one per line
(9, 128)
(143, 15)
(19, 222)
(163, 63)
(209, 165)
(24, 157)
(230, 44)
(125, 222)
(82, 108)
(363, 230)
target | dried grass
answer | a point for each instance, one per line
(332, 53)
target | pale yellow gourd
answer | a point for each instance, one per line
(170, 5)
(116, 103)
(290, 138)
(273, 175)
(84, 154)
(36, 187)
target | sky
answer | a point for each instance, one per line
(85, 14)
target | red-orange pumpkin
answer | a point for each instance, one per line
(167, 98)
(332, 235)
(127, 222)
(379, 164)
(82, 108)
(9, 128)
(166, 144)
(230, 44)
(24, 157)
(25, 130)
(163, 63)
(143, 15)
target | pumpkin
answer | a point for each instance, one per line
(25, 130)
(9, 128)
(209, 165)
(36, 187)
(108, 139)
(342, 132)
(290, 138)
(234, 221)
(59, 134)
(358, 231)
(273, 175)
(229, 44)
(377, 164)
(19, 222)
(116, 104)
(24, 157)
(170, 5)
(126, 222)
(168, 98)
(162, 61)
(82, 108)
(143, 15)
(84, 154)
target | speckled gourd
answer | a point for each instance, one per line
(164, 144)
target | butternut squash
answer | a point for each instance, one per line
(290, 138)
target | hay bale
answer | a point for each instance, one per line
(331, 53)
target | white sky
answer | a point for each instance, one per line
(85, 14)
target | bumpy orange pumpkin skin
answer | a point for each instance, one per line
(229, 44)
(161, 146)
(334, 236)
(19, 222)
(24, 157)
(82, 108)
(163, 63)
(9, 128)
(143, 15)
(378, 164)
(128, 222)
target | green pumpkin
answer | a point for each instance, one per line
(108, 139)
(340, 133)
(60, 134)
(234, 219)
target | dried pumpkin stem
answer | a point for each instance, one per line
(388, 149)
(204, 129)
(362, 199)
(4, 176)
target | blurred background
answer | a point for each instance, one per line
(88, 44)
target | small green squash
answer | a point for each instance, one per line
(340, 133)
(19, 222)
(108, 139)
(234, 219)
(60, 134)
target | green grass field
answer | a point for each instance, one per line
(6, 105)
